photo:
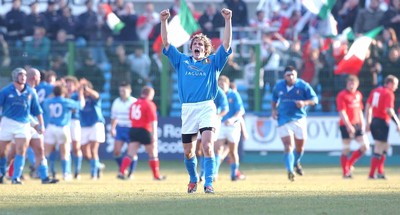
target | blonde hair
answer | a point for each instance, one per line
(207, 43)
(390, 79)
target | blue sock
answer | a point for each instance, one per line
(77, 163)
(201, 165)
(3, 166)
(191, 165)
(19, 163)
(43, 169)
(30, 155)
(209, 169)
(289, 161)
(93, 168)
(297, 157)
(133, 166)
(98, 164)
(118, 159)
(217, 164)
(66, 166)
(234, 169)
(52, 162)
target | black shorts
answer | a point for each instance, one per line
(345, 133)
(379, 129)
(140, 135)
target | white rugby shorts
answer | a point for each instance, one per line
(231, 133)
(75, 127)
(198, 115)
(95, 133)
(57, 135)
(11, 129)
(298, 128)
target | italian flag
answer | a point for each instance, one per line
(320, 7)
(182, 26)
(346, 35)
(112, 20)
(354, 59)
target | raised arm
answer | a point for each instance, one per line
(164, 15)
(227, 38)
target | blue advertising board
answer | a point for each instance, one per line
(169, 141)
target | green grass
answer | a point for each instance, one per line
(266, 191)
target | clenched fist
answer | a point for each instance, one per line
(226, 13)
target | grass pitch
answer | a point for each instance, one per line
(265, 191)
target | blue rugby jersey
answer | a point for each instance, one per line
(221, 101)
(19, 106)
(287, 109)
(197, 80)
(75, 114)
(44, 90)
(91, 113)
(235, 104)
(60, 110)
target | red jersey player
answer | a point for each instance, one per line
(143, 131)
(379, 110)
(349, 105)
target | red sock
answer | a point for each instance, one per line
(155, 167)
(11, 168)
(124, 164)
(374, 165)
(344, 164)
(354, 157)
(381, 166)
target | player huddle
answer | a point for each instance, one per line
(65, 113)
(40, 117)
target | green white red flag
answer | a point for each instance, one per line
(354, 59)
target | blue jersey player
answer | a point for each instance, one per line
(230, 128)
(93, 131)
(36, 141)
(290, 98)
(58, 131)
(221, 103)
(73, 92)
(19, 101)
(197, 88)
(44, 90)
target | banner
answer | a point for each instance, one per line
(169, 141)
(323, 134)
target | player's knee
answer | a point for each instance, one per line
(364, 147)
(75, 150)
(208, 151)
(189, 154)
(288, 148)
(117, 152)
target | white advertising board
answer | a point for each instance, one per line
(323, 134)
